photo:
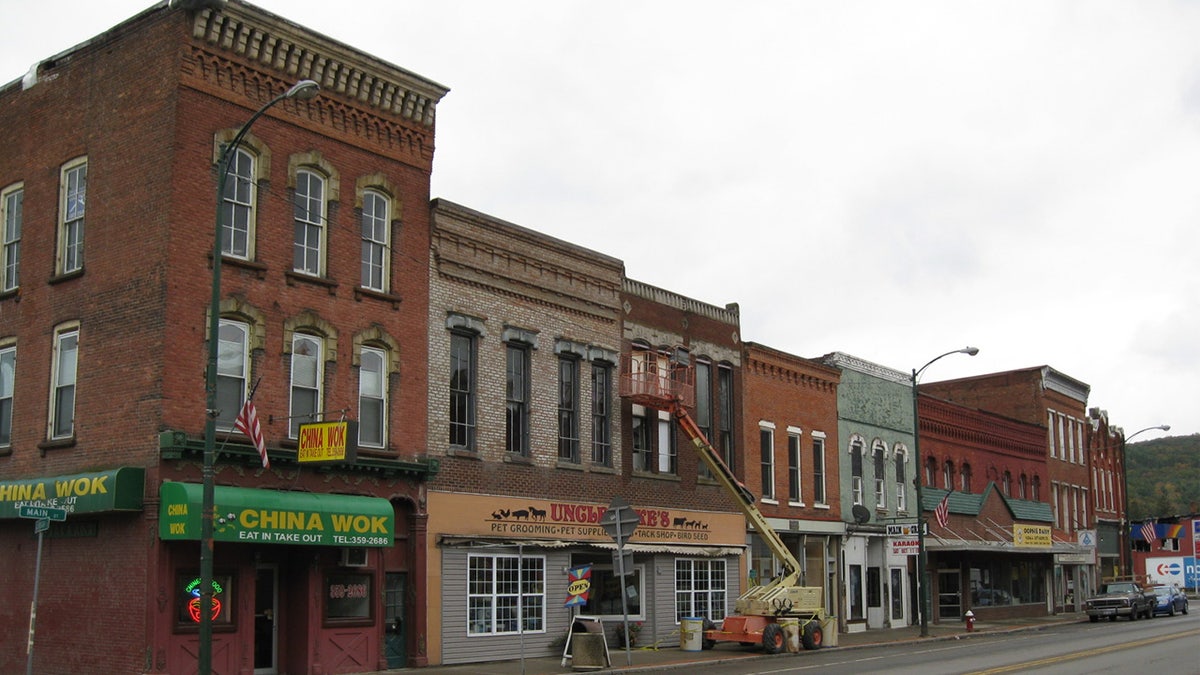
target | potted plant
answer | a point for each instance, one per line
(635, 628)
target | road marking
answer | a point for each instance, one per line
(1083, 654)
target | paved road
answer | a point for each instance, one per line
(1164, 646)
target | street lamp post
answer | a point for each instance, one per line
(922, 582)
(1126, 536)
(302, 90)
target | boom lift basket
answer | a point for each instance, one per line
(657, 379)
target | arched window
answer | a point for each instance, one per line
(964, 478)
(1006, 483)
(948, 475)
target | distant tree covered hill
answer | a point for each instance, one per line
(1164, 477)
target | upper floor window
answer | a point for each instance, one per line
(901, 457)
(640, 437)
(372, 397)
(964, 478)
(794, 440)
(1037, 489)
(516, 394)
(1006, 483)
(309, 217)
(948, 475)
(12, 202)
(568, 408)
(725, 402)
(818, 464)
(1022, 485)
(307, 382)
(704, 408)
(71, 210)
(8, 368)
(237, 205)
(668, 457)
(856, 471)
(233, 371)
(877, 456)
(462, 389)
(766, 448)
(601, 413)
(62, 402)
(376, 235)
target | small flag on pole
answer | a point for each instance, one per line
(943, 511)
(1149, 533)
(247, 423)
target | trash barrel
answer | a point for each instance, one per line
(589, 650)
(691, 634)
(829, 631)
(791, 634)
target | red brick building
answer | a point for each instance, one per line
(790, 462)
(995, 555)
(1058, 404)
(109, 198)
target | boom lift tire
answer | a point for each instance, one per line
(813, 636)
(708, 643)
(773, 640)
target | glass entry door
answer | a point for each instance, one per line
(266, 631)
(394, 637)
(949, 595)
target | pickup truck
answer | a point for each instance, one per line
(1121, 598)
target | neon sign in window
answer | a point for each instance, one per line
(189, 609)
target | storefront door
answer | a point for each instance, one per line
(266, 609)
(949, 595)
(394, 613)
(897, 589)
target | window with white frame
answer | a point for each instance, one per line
(8, 373)
(725, 402)
(794, 442)
(506, 594)
(233, 370)
(238, 204)
(309, 220)
(901, 458)
(73, 186)
(766, 452)
(700, 588)
(12, 206)
(704, 407)
(376, 220)
(372, 397)
(668, 456)
(308, 374)
(1050, 434)
(66, 364)
(640, 437)
(856, 471)
(878, 457)
(818, 467)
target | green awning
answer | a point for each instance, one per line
(274, 517)
(96, 492)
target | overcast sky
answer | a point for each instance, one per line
(888, 179)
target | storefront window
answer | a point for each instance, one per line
(699, 588)
(348, 597)
(504, 589)
(1008, 582)
(604, 595)
(188, 594)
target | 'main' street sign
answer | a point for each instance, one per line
(42, 512)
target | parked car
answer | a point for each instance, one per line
(1121, 598)
(1170, 600)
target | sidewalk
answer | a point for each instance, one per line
(672, 657)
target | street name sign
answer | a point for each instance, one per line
(42, 512)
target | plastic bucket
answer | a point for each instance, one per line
(691, 634)
(791, 634)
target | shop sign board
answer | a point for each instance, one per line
(95, 492)
(1037, 536)
(275, 517)
(328, 442)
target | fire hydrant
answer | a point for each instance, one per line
(970, 617)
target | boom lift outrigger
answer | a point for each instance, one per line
(667, 384)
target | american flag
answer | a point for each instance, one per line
(943, 511)
(1149, 533)
(247, 423)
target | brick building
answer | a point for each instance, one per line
(1057, 403)
(790, 460)
(109, 200)
(995, 555)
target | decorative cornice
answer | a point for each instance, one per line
(299, 53)
(848, 362)
(729, 314)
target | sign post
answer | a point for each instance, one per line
(43, 515)
(619, 521)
